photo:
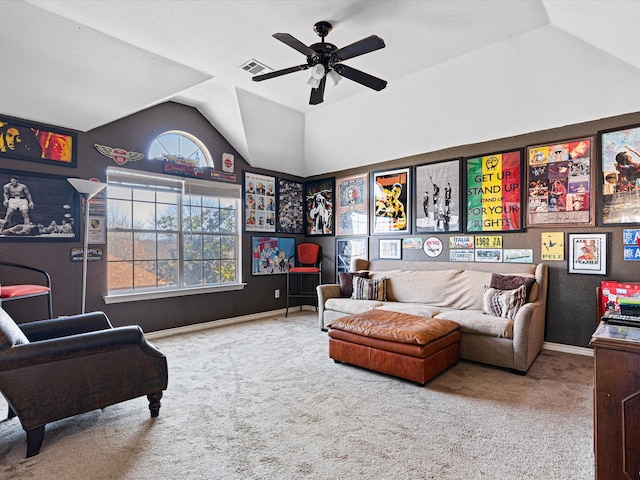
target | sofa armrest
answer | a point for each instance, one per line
(528, 334)
(325, 292)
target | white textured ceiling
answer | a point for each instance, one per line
(459, 72)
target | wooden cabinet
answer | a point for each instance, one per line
(616, 402)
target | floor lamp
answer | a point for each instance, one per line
(88, 189)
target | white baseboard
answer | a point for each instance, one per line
(222, 322)
(560, 347)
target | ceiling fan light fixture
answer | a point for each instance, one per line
(313, 82)
(334, 77)
(317, 74)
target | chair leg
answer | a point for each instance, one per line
(35, 436)
(50, 305)
(154, 403)
(288, 294)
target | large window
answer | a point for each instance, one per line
(171, 234)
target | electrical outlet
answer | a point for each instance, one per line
(276, 293)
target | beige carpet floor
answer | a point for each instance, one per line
(262, 400)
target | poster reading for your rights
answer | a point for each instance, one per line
(494, 193)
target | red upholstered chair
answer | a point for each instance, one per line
(11, 290)
(306, 262)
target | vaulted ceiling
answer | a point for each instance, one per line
(458, 72)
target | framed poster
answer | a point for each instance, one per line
(493, 192)
(270, 255)
(559, 183)
(259, 202)
(437, 197)
(38, 207)
(391, 249)
(28, 141)
(319, 203)
(290, 206)
(588, 253)
(352, 206)
(391, 208)
(348, 249)
(619, 176)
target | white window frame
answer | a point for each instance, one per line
(183, 187)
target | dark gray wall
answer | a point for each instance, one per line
(571, 311)
(571, 315)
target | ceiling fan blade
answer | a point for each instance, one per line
(317, 94)
(295, 44)
(360, 77)
(277, 73)
(360, 47)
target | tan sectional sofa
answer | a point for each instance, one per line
(454, 291)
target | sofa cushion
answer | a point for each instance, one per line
(346, 281)
(503, 303)
(349, 306)
(419, 309)
(369, 289)
(10, 333)
(511, 282)
(476, 322)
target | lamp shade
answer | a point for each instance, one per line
(88, 188)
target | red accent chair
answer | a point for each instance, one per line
(307, 262)
(26, 290)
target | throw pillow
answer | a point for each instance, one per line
(511, 282)
(370, 289)
(346, 281)
(503, 303)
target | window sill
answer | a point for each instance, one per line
(182, 292)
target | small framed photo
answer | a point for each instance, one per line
(320, 207)
(559, 183)
(29, 141)
(619, 176)
(352, 205)
(348, 249)
(391, 209)
(437, 197)
(588, 253)
(391, 249)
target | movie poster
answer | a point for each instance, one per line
(391, 201)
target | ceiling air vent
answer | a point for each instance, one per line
(254, 67)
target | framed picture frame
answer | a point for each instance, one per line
(39, 208)
(588, 253)
(270, 255)
(348, 249)
(259, 199)
(290, 207)
(619, 176)
(29, 141)
(493, 186)
(391, 206)
(319, 207)
(437, 197)
(560, 183)
(352, 207)
(390, 249)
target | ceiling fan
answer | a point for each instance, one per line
(324, 61)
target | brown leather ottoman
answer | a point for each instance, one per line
(406, 346)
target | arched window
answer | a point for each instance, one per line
(180, 147)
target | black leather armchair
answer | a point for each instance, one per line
(54, 369)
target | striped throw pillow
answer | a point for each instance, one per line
(503, 303)
(369, 289)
